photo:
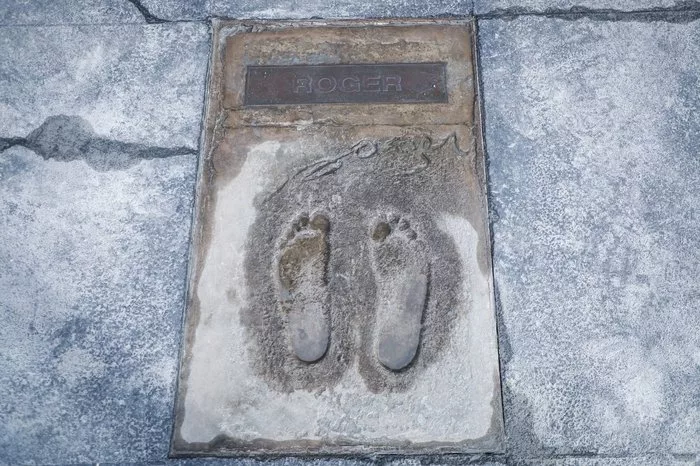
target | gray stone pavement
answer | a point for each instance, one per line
(22, 12)
(647, 460)
(96, 190)
(591, 131)
(592, 139)
(596, 7)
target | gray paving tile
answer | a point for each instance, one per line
(648, 460)
(99, 133)
(177, 10)
(43, 12)
(592, 131)
(22, 12)
(337, 8)
(542, 6)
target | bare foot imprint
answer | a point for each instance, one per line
(302, 286)
(402, 275)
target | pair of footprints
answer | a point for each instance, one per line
(401, 272)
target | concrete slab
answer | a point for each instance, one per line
(177, 10)
(594, 176)
(340, 295)
(293, 9)
(22, 12)
(98, 140)
(648, 460)
(596, 7)
(53, 12)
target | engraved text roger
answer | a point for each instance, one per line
(358, 83)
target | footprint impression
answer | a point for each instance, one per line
(302, 286)
(402, 275)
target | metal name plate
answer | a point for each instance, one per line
(366, 83)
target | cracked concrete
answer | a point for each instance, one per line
(592, 128)
(18, 12)
(612, 10)
(680, 12)
(95, 213)
(110, 76)
(147, 15)
(68, 138)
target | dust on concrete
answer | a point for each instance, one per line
(411, 176)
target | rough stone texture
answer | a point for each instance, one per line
(443, 460)
(23, 12)
(562, 6)
(19, 12)
(591, 131)
(114, 77)
(340, 213)
(98, 139)
(178, 10)
(338, 8)
(649, 460)
(77, 12)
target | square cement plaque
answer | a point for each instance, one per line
(340, 295)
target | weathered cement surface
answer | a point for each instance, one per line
(357, 218)
(177, 10)
(647, 460)
(99, 129)
(22, 12)
(286, 9)
(592, 133)
(44, 12)
(596, 7)
(52, 12)
(98, 392)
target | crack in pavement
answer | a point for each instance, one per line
(67, 138)
(148, 16)
(682, 12)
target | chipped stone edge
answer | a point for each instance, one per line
(492, 442)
